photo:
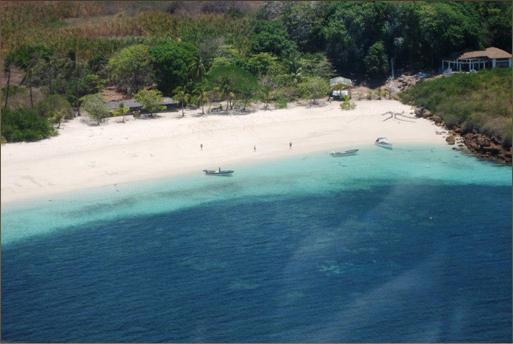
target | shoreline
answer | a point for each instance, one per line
(85, 157)
(59, 194)
(482, 146)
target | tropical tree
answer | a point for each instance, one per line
(183, 97)
(121, 110)
(246, 87)
(56, 108)
(376, 61)
(150, 100)
(202, 96)
(131, 69)
(260, 64)
(175, 64)
(272, 37)
(315, 65)
(26, 58)
(94, 105)
(314, 88)
(197, 68)
(232, 82)
(266, 88)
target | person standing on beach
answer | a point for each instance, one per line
(290, 145)
(254, 148)
(201, 146)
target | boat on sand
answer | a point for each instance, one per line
(348, 152)
(218, 172)
(383, 142)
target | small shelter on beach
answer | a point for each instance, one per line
(340, 80)
(339, 86)
(134, 105)
(480, 59)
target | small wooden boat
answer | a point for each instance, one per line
(218, 172)
(383, 142)
(345, 153)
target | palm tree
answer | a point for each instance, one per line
(202, 97)
(182, 96)
(197, 68)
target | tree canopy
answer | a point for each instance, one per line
(285, 45)
(150, 100)
(175, 64)
(131, 69)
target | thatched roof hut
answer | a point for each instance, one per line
(489, 53)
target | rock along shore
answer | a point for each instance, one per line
(481, 145)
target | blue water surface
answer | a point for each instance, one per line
(409, 245)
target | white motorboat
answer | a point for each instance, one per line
(383, 142)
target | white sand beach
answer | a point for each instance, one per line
(83, 156)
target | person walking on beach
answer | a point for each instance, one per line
(254, 148)
(290, 145)
(201, 146)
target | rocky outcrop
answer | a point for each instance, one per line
(401, 83)
(424, 113)
(436, 119)
(450, 139)
(479, 144)
(487, 147)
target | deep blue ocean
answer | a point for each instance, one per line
(409, 245)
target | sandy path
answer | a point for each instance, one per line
(82, 156)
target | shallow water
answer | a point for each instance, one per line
(412, 244)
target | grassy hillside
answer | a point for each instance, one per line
(480, 101)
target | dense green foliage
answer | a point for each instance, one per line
(56, 108)
(25, 124)
(274, 51)
(232, 83)
(314, 88)
(415, 34)
(272, 37)
(175, 65)
(130, 69)
(475, 101)
(150, 100)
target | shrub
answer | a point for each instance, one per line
(314, 88)
(25, 124)
(56, 108)
(93, 104)
(280, 102)
(476, 101)
(347, 104)
(150, 100)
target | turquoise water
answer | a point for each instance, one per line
(412, 244)
(309, 174)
